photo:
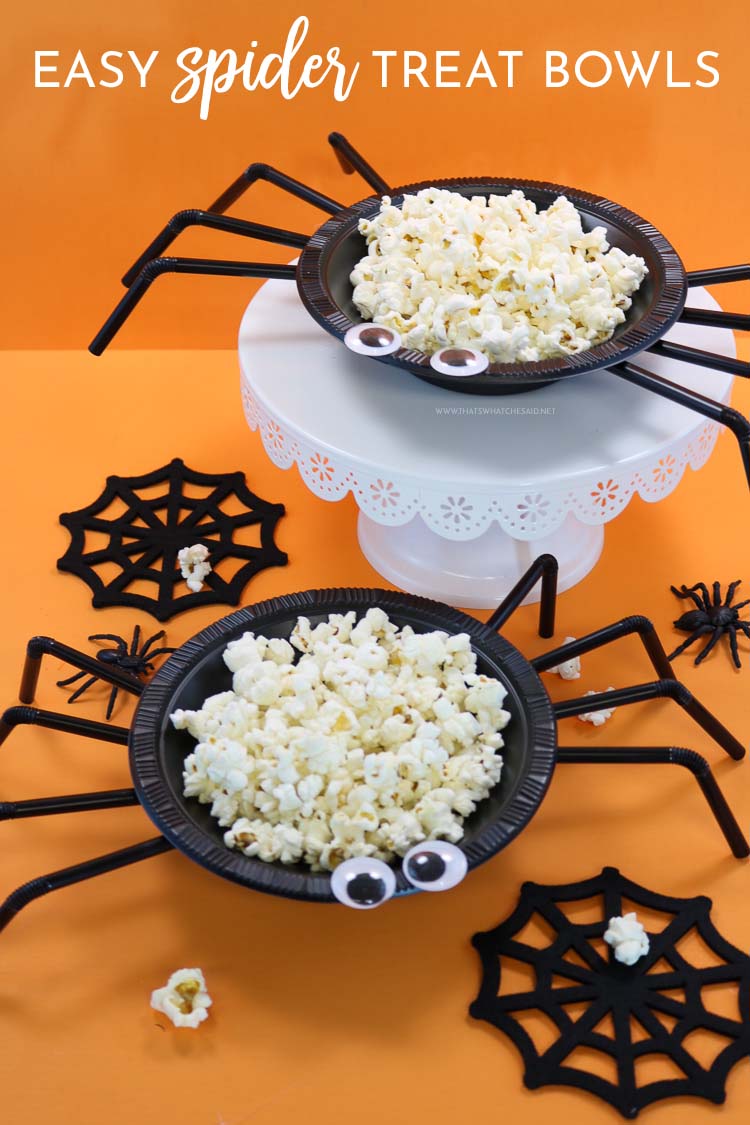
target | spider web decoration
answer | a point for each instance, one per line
(650, 1008)
(143, 540)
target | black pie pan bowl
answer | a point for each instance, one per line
(327, 261)
(196, 670)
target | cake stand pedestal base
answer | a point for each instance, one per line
(459, 493)
(474, 573)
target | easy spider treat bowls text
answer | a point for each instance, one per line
(197, 671)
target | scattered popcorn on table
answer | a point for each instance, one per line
(597, 718)
(628, 939)
(194, 565)
(183, 998)
(493, 274)
(375, 739)
(569, 669)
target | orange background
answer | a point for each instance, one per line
(319, 1012)
(91, 175)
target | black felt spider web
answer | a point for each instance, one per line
(630, 996)
(143, 541)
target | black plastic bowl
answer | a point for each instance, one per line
(197, 670)
(329, 257)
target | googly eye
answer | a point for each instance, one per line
(435, 865)
(372, 339)
(363, 883)
(459, 362)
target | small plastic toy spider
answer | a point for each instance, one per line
(137, 660)
(711, 617)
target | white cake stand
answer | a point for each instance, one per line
(457, 493)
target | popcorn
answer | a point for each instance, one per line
(184, 998)
(375, 739)
(194, 566)
(569, 669)
(597, 718)
(628, 939)
(492, 274)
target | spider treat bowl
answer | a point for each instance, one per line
(197, 670)
(326, 263)
(322, 275)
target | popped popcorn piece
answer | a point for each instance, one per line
(184, 998)
(494, 274)
(569, 669)
(194, 565)
(628, 939)
(375, 739)
(597, 718)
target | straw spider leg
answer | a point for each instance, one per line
(150, 264)
(543, 568)
(136, 660)
(668, 755)
(255, 172)
(158, 266)
(352, 161)
(43, 884)
(349, 159)
(711, 318)
(35, 650)
(714, 318)
(665, 687)
(686, 354)
(193, 217)
(214, 216)
(77, 802)
(715, 411)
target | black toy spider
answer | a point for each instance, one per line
(137, 660)
(714, 617)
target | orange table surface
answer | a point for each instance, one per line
(318, 1012)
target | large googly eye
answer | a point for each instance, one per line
(459, 362)
(372, 339)
(363, 883)
(435, 865)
